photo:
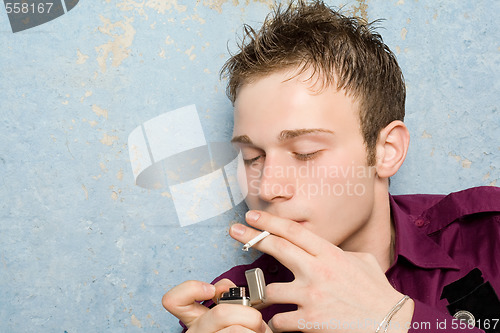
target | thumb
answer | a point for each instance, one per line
(181, 301)
(221, 287)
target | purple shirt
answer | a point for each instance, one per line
(439, 240)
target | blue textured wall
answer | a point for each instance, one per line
(82, 248)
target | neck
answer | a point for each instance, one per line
(377, 235)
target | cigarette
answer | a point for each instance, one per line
(255, 240)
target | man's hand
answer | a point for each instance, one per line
(181, 302)
(331, 286)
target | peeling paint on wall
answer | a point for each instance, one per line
(160, 6)
(190, 53)
(361, 10)
(217, 4)
(136, 322)
(108, 140)
(464, 162)
(426, 135)
(86, 192)
(404, 31)
(100, 111)
(119, 46)
(82, 58)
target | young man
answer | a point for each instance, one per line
(318, 116)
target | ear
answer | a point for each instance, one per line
(392, 146)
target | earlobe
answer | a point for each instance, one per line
(392, 146)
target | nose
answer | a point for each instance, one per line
(277, 180)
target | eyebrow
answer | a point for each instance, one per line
(241, 139)
(290, 134)
(285, 135)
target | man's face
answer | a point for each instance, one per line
(305, 158)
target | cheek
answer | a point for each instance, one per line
(336, 184)
(351, 165)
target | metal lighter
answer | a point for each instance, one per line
(256, 288)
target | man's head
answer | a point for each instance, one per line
(341, 51)
(318, 102)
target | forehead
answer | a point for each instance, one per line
(286, 100)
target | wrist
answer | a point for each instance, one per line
(401, 321)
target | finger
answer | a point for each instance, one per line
(284, 293)
(221, 287)
(181, 300)
(287, 322)
(236, 329)
(226, 315)
(289, 254)
(288, 229)
(241, 329)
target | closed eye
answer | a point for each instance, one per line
(306, 157)
(252, 160)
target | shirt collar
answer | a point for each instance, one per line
(414, 245)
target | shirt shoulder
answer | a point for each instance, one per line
(432, 213)
(440, 239)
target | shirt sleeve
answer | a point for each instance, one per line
(429, 320)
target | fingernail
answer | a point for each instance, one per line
(252, 215)
(263, 327)
(270, 324)
(237, 229)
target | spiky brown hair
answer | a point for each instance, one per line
(344, 51)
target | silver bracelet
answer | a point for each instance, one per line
(387, 319)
